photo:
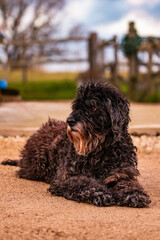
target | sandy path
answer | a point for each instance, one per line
(33, 114)
(28, 211)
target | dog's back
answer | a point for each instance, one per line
(39, 157)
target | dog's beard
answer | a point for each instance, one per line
(84, 141)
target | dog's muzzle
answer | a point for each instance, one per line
(76, 135)
(84, 140)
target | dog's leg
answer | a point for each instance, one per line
(129, 193)
(126, 189)
(82, 189)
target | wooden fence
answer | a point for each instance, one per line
(96, 56)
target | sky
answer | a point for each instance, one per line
(109, 18)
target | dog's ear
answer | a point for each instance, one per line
(118, 120)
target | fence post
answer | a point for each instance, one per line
(24, 73)
(133, 65)
(150, 53)
(115, 68)
(92, 54)
(101, 58)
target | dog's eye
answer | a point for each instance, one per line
(94, 109)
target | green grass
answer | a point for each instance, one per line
(48, 90)
(42, 85)
(141, 96)
(153, 97)
(58, 86)
(39, 76)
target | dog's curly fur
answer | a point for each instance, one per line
(91, 158)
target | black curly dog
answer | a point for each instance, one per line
(91, 158)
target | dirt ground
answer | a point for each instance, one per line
(29, 212)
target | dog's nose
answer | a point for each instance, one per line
(71, 121)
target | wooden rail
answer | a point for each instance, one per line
(45, 41)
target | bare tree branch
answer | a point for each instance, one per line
(30, 21)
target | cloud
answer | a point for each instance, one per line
(106, 11)
(146, 25)
(141, 2)
(111, 17)
(75, 13)
(77, 10)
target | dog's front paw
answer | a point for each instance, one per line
(56, 189)
(137, 200)
(103, 199)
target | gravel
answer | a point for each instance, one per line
(147, 144)
(144, 143)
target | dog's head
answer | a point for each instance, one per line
(100, 114)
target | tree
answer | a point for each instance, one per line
(28, 24)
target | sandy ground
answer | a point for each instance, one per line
(33, 114)
(28, 211)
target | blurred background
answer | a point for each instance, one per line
(48, 48)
